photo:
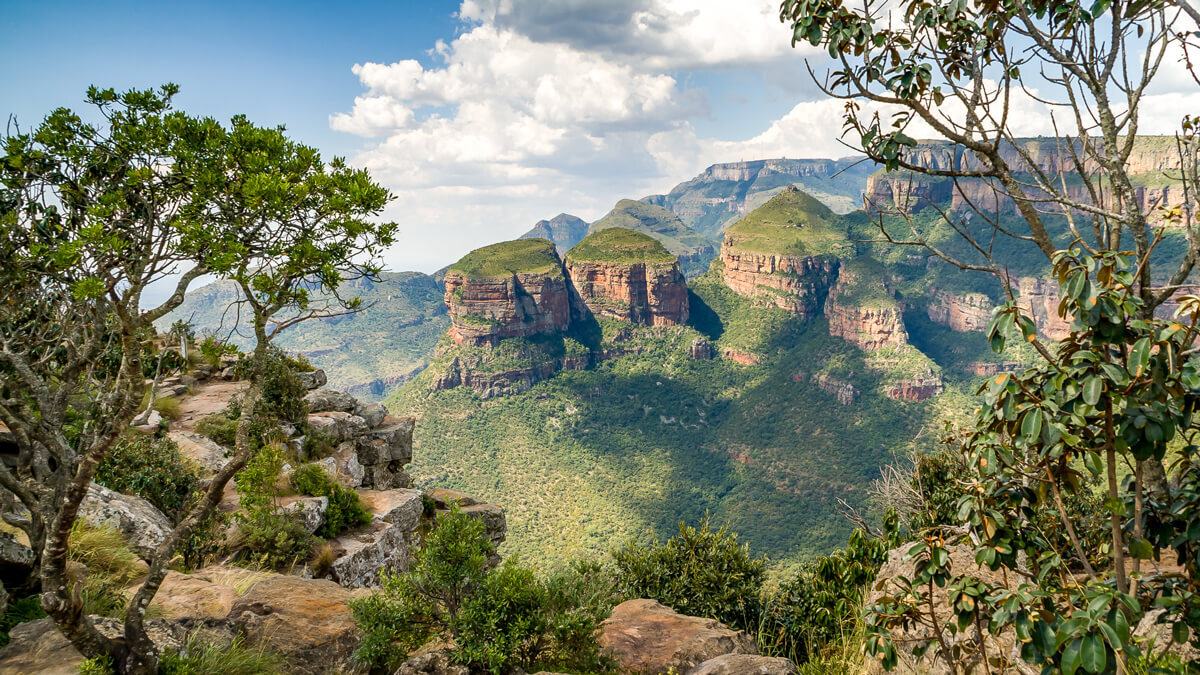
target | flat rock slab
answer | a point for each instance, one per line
(191, 596)
(209, 399)
(143, 526)
(39, 647)
(648, 638)
(745, 664)
(305, 621)
(200, 449)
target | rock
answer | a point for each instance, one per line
(627, 275)
(192, 596)
(14, 554)
(330, 400)
(39, 647)
(305, 621)
(343, 465)
(646, 637)
(701, 349)
(142, 525)
(383, 452)
(862, 308)
(432, 659)
(443, 498)
(1150, 629)
(312, 380)
(200, 449)
(960, 312)
(341, 426)
(962, 562)
(310, 511)
(188, 380)
(493, 519)
(373, 413)
(364, 553)
(745, 664)
(565, 230)
(401, 507)
(227, 374)
(149, 423)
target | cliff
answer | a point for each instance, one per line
(784, 253)
(565, 230)
(862, 308)
(693, 250)
(961, 312)
(626, 275)
(506, 290)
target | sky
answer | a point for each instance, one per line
(481, 116)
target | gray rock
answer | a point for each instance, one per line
(433, 660)
(310, 511)
(343, 465)
(342, 426)
(39, 647)
(200, 449)
(745, 664)
(373, 413)
(142, 525)
(493, 519)
(365, 553)
(389, 442)
(402, 507)
(150, 420)
(313, 379)
(330, 400)
(227, 374)
(14, 553)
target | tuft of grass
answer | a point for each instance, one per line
(111, 566)
(240, 579)
(323, 560)
(168, 407)
(201, 655)
(218, 427)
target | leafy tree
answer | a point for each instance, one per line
(90, 215)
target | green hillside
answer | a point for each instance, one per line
(619, 245)
(369, 353)
(532, 256)
(694, 251)
(630, 447)
(791, 223)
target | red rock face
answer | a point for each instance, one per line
(918, 389)
(1039, 298)
(868, 328)
(485, 311)
(655, 295)
(962, 312)
(797, 284)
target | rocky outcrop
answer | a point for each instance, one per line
(39, 647)
(1040, 298)
(503, 382)
(917, 389)
(798, 284)
(142, 525)
(701, 349)
(645, 293)
(383, 547)
(862, 308)
(843, 391)
(306, 621)
(961, 312)
(645, 637)
(745, 664)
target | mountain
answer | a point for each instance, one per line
(725, 192)
(693, 250)
(368, 353)
(564, 230)
(601, 399)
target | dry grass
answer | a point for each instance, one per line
(323, 559)
(240, 579)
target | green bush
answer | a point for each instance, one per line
(698, 572)
(151, 468)
(577, 599)
(502, 623)
(274, 541)
(219, 427)
(213, 348)
(97, 665)
(20, 611)
(282, 393)
(345, 510)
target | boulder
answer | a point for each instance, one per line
(343, 465)
(39, 647)
(1149, 628)
(401, 507)
(192, 596)
(433, 659)
(330, 400)
(645, 637)
(310, 511)
(373, 413)
(149, 422)
(312, 380)
(745, 664)
(200, 449)
(386, 545)
(142, 525)
(341, 426)
(305, 621)
(14, 554)
(443, 498)
(493, 519)
(383, 452)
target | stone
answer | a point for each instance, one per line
(401, 507)
(39, 647)
(200, 449)
(14, 554)
(192, 596)
(645, 637)
(341, 426)
(434, 659)
(745, 664)
(310, 511)
(330, 400)
(149, 422)
(798, 284)
(862, 308)
(701, 349)
(305, 621)
(363, 554)
(651, 293)
(227, 374)
(389, 442)
(142, 525)
(443, 498)
(1150, 629)
(373, 413)
(312, 380)
(343, 465)
(493, 519)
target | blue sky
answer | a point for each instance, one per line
(482, 116)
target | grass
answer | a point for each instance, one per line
(111, 567)
(862, 283)
(521, 256)
(693, 249)
(791, 223)
(202, 655)
(219, 428)
(620, 245)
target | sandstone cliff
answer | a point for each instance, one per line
(693, 250)
(961, 312)
(862, 308)
(784, 253)
(511, 289)
(626, 275)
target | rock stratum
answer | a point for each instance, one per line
(693, 250)
(862, 308)
(629, 276)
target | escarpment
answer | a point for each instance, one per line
(629, 276)
(784, 254)
(862, 308)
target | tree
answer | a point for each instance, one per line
(90, 215)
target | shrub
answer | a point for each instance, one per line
(168, 407)
(274, 541)
(345, 510)
(212, 349)
(151, 468)
(202, 656)
(698, 572)
(97, 665)
(282, 393)
(503, 621)
(219, 427)
(577, 599)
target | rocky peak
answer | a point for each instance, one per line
(862, 308)
(623, 274)
(693, 250)
(565, 230)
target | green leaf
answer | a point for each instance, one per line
(1140, 548)
(1031, 425)
(1092, 653)
(1179, 632)
(1092, 387)
(1071, 658)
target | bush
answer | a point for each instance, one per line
(282, 393)
(201, 656)
(20, 611)
(111, 566)
(503, 621)
(577, 599)
(219, 427)
(345, 510)
(274, 541)
(212, 349)
(151, 468)
(97, 665)
(697, 572)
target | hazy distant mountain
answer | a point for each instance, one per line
(368, 353)
(565, 230)
(725, 192)
(694, 250)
